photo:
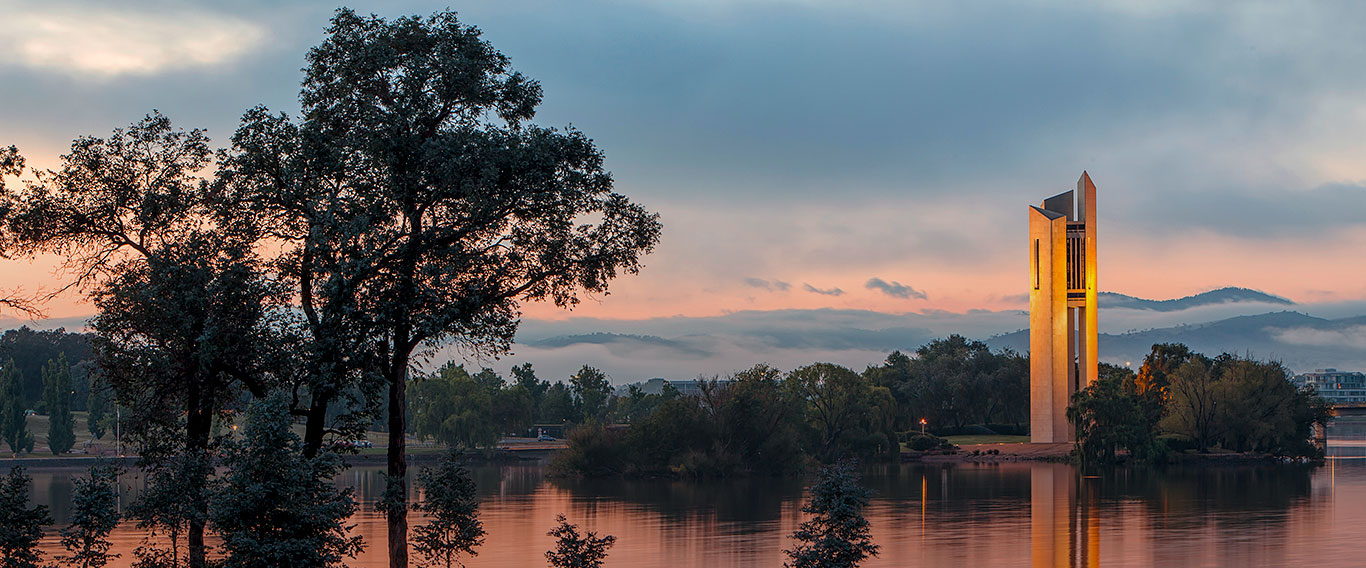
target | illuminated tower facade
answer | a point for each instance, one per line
(1062, 307)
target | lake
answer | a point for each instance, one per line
(1006, 514)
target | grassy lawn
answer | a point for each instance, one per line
(983, 439)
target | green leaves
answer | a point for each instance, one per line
(836, 535)
(13, 421)
(1113, 414)
(448, 497)
(576, 550)
(57, 394)
(94, 514)
(274, 507)
(1230, 402)
(20, 526)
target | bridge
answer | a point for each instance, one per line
(1349, 409)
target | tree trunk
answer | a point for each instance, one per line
(397, 491)
(198, 429)
(316, 423)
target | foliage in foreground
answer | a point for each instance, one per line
(836, 536)
(20, 526)
(574, 550)
(424, 205)
(448, 497)
(94, 514)
(274, 507)
(174, 496)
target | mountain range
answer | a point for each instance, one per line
(1301, 341)
(1229, 295)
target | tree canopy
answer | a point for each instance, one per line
(414, 205)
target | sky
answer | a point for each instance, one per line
(858, 155)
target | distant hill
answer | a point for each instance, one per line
(1228, 295)
(1301, 341)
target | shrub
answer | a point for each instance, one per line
(574, 550)
(1177, 442)
(836, 535)
(593, 451)
(20, 526)
(94, 514)
(448, 496)
(925, 442)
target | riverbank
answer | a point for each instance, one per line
(1062, 453)
(997, 452)
(353, 460)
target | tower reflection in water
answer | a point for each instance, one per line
(1064, 528)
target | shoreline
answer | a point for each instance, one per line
(1062, 453)
(1005, 452)
(352, 460)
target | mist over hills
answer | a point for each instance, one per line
(1301, 341)
(1235, 320)
(1229, 295)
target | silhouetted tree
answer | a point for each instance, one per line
(94, 514)
(97, 407)
(448, 497)
(181, 303)
(174, 498)
(836, 535)
(61, 435)
(13, 420)
(32, 349)
(592, 392)
(525, 377)
(20, 526)
(415, 207)
(275, 507)
(557, 405)
(574, 550)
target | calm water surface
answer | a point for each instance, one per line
(1009, 514)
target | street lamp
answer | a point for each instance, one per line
(922, 426)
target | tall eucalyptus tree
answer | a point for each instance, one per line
(414, 205)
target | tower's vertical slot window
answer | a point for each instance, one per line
(1036, 264)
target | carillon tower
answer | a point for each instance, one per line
(1062, 308)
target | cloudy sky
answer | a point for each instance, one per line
(871, 155)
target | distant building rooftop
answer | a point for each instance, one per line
(685, 387)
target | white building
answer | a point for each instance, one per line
(1337, 387)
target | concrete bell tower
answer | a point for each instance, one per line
(1062, 308)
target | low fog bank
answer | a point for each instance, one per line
(1303, 336)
